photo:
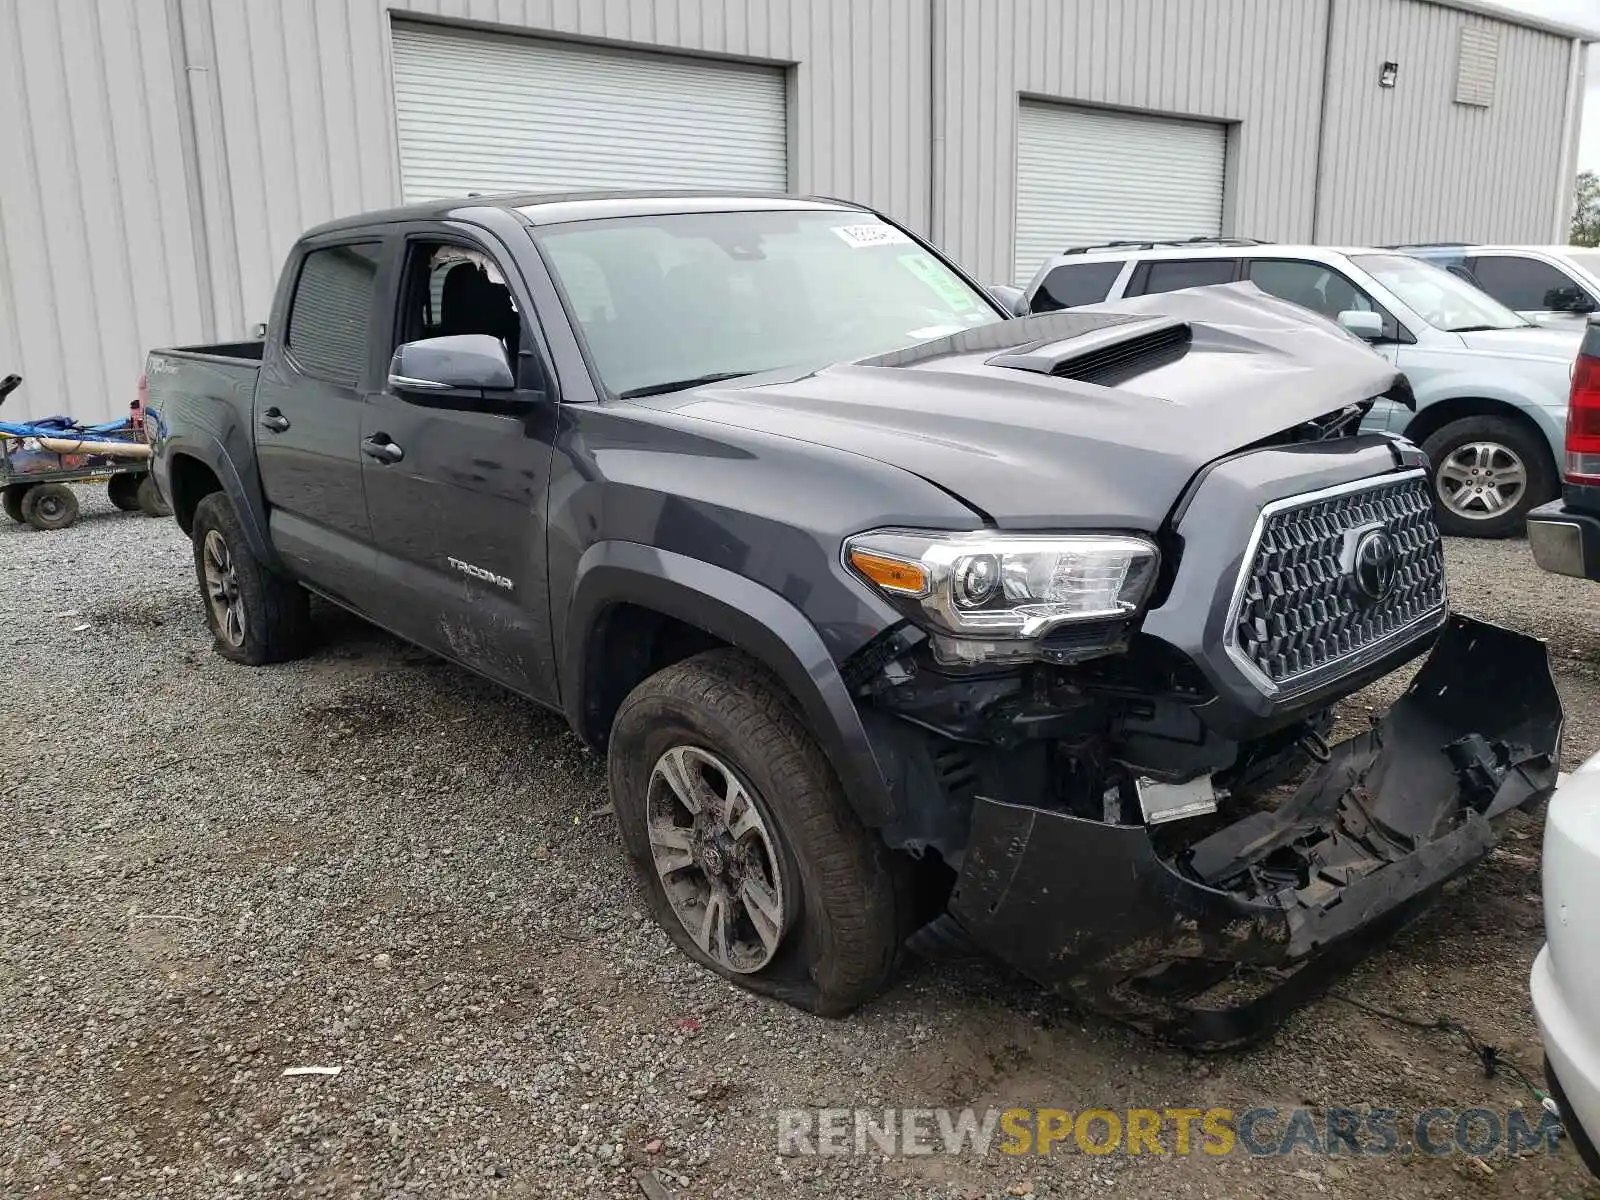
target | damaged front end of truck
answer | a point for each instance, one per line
(1161, 810)
(1208, 934)
(1106, 841)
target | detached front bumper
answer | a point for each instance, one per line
(1209, 943)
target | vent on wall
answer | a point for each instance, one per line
(1478, 65)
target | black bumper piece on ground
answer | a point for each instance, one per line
(1211, 944)
(1566, 540)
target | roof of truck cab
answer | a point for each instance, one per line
(549, 208)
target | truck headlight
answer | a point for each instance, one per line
(989, 597)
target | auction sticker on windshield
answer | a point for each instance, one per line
(944, 285)
(876, 234)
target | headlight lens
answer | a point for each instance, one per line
(1008, 588)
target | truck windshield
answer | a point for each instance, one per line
(1443, 300)
(666, 302)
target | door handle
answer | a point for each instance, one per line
(379, 446)
(274, 420)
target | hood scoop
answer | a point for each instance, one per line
(1107, 356)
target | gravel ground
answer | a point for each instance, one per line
(372, 860)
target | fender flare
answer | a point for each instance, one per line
(746, 615)
(1549, 420)
(247, 501)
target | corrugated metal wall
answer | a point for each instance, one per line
(1408, 163)
(161, 155)
(97, 250)
(295, 101)
(1255, 62)
(289, 114)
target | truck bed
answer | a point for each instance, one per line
(212, 386)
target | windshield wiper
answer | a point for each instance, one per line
(1484, 328)
(679, 385)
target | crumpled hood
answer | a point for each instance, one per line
(1035, 450)
(1552, 343)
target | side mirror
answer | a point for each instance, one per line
(1368, 326)
(473, 361)
(1568, 300)
(1008, 298)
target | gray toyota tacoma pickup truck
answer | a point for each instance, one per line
(900, 623)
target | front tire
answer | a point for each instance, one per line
(255, 616)
(1488, 473)
(750, 856)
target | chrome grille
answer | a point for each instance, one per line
(1298, 612)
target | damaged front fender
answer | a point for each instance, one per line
(1209, 944)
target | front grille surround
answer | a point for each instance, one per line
(1295, 620)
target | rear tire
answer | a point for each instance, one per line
(255, 616)
(123, 491)
(823, 927)
(11, 497)
(50, 506)
(148, 498)
(1488, 473)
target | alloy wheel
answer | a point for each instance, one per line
(713, 846)
(222, 589)
(1481, 480)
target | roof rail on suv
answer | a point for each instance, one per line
(1155, 243)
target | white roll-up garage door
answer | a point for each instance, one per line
(485, 112)
(1087, 175)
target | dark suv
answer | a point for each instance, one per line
(898, 621)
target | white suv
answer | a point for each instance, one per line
(1566, 976)
(1558, 286)
(1491, 387)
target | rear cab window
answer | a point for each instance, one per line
(1174, 274)
(330, 314)
(1072, 284)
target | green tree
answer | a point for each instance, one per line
(1586, 212)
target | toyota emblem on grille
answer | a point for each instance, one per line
(1375, 565)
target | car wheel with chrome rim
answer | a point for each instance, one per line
(1488, 473)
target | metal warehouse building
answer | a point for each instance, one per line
(161, 155)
